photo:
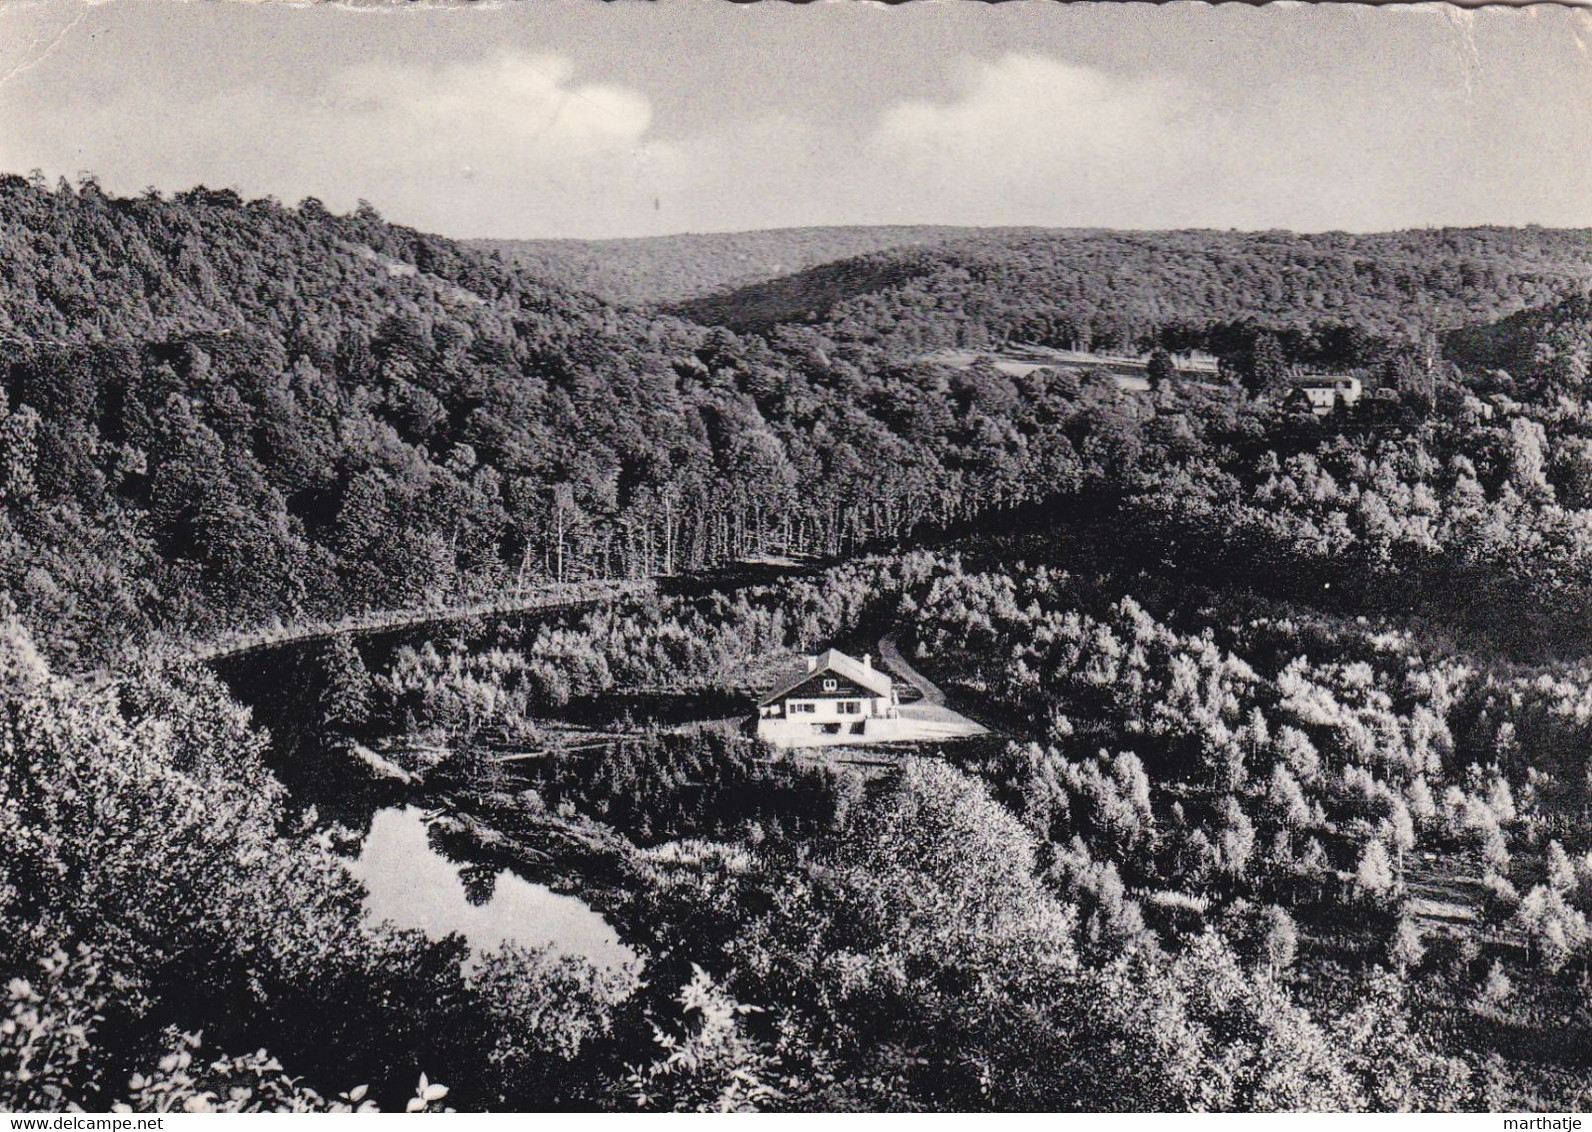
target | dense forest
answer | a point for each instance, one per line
(224, 413)
(1328, 293)
(1283, 801)
(667, 269)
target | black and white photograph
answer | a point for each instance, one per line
(689, 556)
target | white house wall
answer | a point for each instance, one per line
(808, 730)
(828, 709)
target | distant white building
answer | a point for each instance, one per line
(837, 699)
(1326, 393)
(1200, 361)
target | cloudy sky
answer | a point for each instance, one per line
(578, 118)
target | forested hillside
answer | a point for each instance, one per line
(1111, 290)
(667, 269)
(218, 413)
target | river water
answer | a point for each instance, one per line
(413, 885)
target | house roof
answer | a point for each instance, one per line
(832, 660)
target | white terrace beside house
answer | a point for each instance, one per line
(837, 699)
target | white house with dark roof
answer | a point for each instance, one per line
(1324, 393)
(836, 699)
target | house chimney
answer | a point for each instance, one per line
(812, 663)
(867, 660)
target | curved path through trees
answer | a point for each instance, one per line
(890, 654)
(566, 596)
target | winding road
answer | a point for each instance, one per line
(568, 596)
(890, 654)
(930, 717)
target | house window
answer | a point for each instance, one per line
(830, 685)
(848, 707)
(803, 708)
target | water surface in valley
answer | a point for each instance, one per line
(414, 885)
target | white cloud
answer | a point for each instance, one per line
(1287, 124)
(509, 142)
(512, 108)
(1026, 133)
(516, 143)
(1024, 138)
(473, 143)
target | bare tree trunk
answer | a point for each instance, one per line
(668, 534)
(560, 527)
